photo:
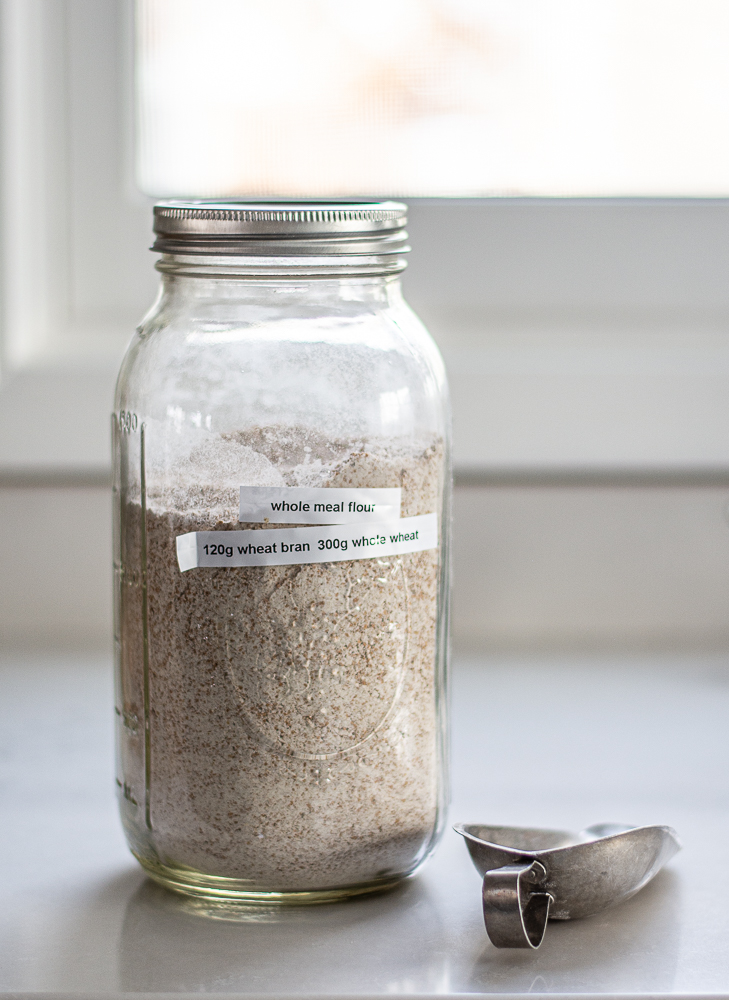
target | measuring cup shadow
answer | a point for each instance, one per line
(630, 948)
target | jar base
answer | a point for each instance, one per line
(227, 891)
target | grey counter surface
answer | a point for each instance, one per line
(561, 743)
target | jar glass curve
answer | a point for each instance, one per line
(281, 730)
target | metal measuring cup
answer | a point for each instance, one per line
(531, 875)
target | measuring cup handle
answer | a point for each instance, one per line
(515, 914)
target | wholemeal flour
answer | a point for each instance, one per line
(293, 727)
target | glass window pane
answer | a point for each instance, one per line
(433, 97)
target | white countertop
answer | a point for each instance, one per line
(536, 742)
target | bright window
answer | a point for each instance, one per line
(433, 97)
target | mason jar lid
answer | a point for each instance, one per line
(279, 230)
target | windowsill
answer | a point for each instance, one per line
(531, 399)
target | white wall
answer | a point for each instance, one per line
(55, 567)
(536, 567)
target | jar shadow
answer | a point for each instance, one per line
(171, 943)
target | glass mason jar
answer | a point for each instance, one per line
(282, 496)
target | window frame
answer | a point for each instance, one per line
(583, 337)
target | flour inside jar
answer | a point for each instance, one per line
(293, 732)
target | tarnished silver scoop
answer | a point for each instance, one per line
(531, 876)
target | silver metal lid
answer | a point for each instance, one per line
(290, 229)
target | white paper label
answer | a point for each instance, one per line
(325, 543)
(301, 505)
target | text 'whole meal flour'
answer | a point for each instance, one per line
(318, 505)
